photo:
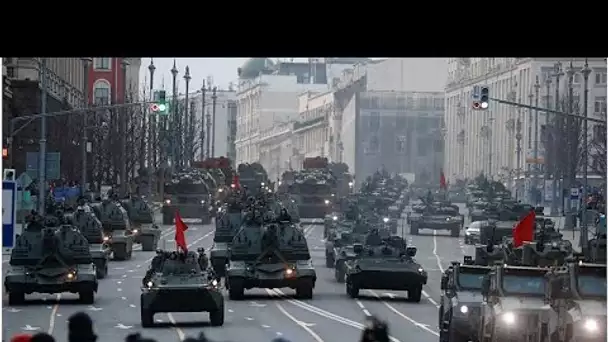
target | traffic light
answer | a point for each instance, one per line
(4, 153)
(160, 105)
(480, 97)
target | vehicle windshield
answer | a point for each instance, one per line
(524, 284)
(471, 281)
(591, 285)
(315, 189)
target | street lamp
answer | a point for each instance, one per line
(583, 237)
(86, 62)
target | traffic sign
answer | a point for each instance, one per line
(574, 193)
(9, 215)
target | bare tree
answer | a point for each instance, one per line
(597, 150)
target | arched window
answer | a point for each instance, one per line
(101, 92)
(103, 63)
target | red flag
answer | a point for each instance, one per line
(236, 184)
(442, 184)
(180, 228)
(524, 230)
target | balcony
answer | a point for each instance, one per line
(305, 124)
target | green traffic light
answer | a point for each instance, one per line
(162, 107)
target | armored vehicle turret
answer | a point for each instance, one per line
(270, 255)
(385, 265)
(116, 228)
(143, 227)
(91, 228)
(50, 260)
(313, 191)
(487, 255)
(435, 216)
(190, 192)
(176, 282)
(228, 221)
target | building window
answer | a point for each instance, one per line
(400, 144)
(101, 92)
(103, 63)
(372, 145)
(599, 105)
(576, 78)
(600, 77)
(374, 121)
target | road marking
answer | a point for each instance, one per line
(122, 326)
(28, 327)
(428, 297)
(321, 312)
(178, 330)
(435, 251)
(265, 326)
(301, 324)
(422, 326)
(249, 318)
(53, 314)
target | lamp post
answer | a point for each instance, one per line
(173, 128)
(123, 131)
(584, 233)
(203, 98)
(187, 141)
(42, 150)
(548, 135)
(557, 73)
(152, 136)
(536, 168)
(86, 62)
(569, 172)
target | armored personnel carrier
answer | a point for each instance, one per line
(514, 305)
(176, 282)
(460, 306)
(143, 227)
(116, 228)
(266, 254)
(387, 265)
(228, 222)
(487, 255)
(340, 250)
(435, 216)
(188, 192)
(50, 260)
(91, 228)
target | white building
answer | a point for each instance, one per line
(311, 131)
(487, 141)
(223, 133)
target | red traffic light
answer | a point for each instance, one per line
(476, 105)
(154, 107)
(4, 152)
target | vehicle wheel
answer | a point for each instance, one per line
(415, 294)
(16, 298)
(120, 252)
(339, 272)
(167, 219)
(414, 229)
(148, 244)
(216, 317)
(87, 297)
(455, 231)
(352, 290)
(329, 261)
(147, 318)
(304, 289)
(102, 270)
(236, 290)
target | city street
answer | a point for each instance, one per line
(263, 314)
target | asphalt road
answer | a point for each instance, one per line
(264, 314)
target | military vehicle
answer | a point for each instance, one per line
(460, 305)
(487, 255)
(514, 303)
(269, 254)
(50, 260)
(344, 180)
(477, 211)
(144, 229)
(495, 231)
(386, 265)
(340, 250)
(228, 222)
(116, 228)
(90, 227)
(221, 179)
(435, 216)
(330, 222)
(253, 177)
(188, 192)
(576, 293)
(177, 282)
(313, 189)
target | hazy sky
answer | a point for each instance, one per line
(223, 71)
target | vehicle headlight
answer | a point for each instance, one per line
(508, 318)
(263, 184)
(448, 218)
(420, 270)
(386, 219)
(554, 244)
(333, 195)
(214, 282)
(71, 275)
(350, 184)
(335, 218)
(290, 272)
(464, 309)
(326, 201)
(591, 325)
(149, 284)
(202, 201)
(135, 231)
(220, 190)
(167, 201)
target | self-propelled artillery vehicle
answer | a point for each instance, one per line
(253, 177)
(50, 260)
(91, 228)
(435, 216)
(385, 265)
(188, 192)
(116, 227)
(228, 222)
(269, 253)
(460, 306)
(143, 227)
(177, 282)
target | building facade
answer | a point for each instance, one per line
(500, 141)
(107, 83)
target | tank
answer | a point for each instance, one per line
(178, 282)
(50, 260)
(116, 228)
(270, 255)
(90, 227)
(228, 222)
(144, 230)
(190, 192)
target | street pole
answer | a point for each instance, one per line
(518, 137)
(123, 132)
(85, 123)
(584, 233)
(191, 131)
(42, 149)
(557, 69)
(152, 136)
(208, 124)
(187, 141)
(214, 101)
(202, 148)
(568, 174)
(173, 124)
(536, 169)
(548, 135)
